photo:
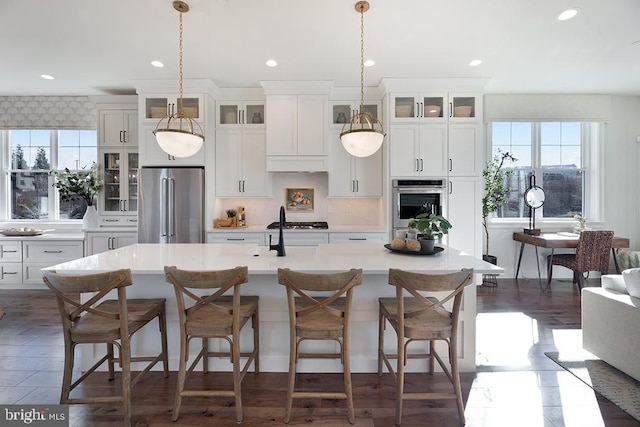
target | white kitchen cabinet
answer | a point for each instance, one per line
(248, 114)
(351, 176)
(465, 150)
(10, 262)
(237, 237)
(119, 197)
(342, 111)
(152, 155)
(464, 213)
(156, 106)
(418, 150)
(356, 237)
(39, 254)
(117, 128)
(102, 241)
(436, 107)
(241, 167)
(297, 132)
(298, 238)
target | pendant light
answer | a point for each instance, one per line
(363, 135)
(177, 134)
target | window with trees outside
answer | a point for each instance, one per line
(33, 155)
(557, 154)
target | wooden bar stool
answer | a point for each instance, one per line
(319, 318)
(420, 318)
(214, 316)
(101, 320)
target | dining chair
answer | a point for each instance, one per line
(319, 309)
(89, 317)
(416, 317)
(204, 312)
(592, 254)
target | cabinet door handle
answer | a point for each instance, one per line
(124, 136)
(417, 165)
(243, 189)
(450, 165)
(450, 187)
(357, 186)
(450, 109)
(52, 252)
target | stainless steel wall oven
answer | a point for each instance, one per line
(411, 197)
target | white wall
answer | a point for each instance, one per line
(336, 211)
(621, 194)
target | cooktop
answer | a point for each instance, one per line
(312, 225)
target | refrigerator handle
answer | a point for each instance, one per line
(171, 208)
(164, 209)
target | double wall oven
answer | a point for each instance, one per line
(411, 197)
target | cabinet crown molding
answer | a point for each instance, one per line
(171, 86)
(302, 87)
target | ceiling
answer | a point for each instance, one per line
(99, 47)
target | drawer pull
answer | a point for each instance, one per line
(9, 272)
(10, 252)
(235, 239)
(357, 238)
(52, 252)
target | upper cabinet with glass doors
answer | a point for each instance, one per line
(436, 107)
(240, 114)
(342, 111)
(119, 198)
(158, 106)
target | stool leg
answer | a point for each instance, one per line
(110, 361)
(182, 368)
(125, 362)
(381, 324)
(162, 321)
(347, 378)
(237, 391)
(69, 355)
(455, 376)
(293, 361)
(400, 378)
(256, 339)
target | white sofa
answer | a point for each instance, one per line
(611, 324)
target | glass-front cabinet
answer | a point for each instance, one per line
(240, 113)
(158, 106)
(119, 200)
(433, 107)
(342, 111)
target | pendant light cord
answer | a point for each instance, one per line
(180, 66)
(362, 59)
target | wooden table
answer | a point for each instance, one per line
(565, 240)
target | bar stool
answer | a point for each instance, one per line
(319, 318)
(420, 318)
(112, 322)
(214, 316)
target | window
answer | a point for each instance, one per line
(34, 154)
(556, 154)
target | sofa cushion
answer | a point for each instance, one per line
(632, 281)
(614, 282)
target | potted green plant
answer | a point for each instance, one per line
(84, 184)
(431, 226)
(496, 192)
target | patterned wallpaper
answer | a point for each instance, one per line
(47, 112)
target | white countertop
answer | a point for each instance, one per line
(331, 229)
(47, 236)
(331, 257)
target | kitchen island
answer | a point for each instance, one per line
(147, 262)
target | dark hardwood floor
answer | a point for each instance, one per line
(515, 383)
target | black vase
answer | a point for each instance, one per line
(490, 259)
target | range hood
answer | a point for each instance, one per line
(297, 163)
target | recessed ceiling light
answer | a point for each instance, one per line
(157, 64)
(475, 63)
(272, 63)
(567, 14)
(47, 76)
(369, 63)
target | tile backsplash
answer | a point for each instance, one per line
(336, 211)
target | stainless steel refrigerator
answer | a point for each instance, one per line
(171, 205)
